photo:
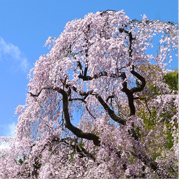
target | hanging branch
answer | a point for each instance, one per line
(68, 124)
(110, 111)
(103, 103)
(90, 112)
(125, 89)
(129, 94)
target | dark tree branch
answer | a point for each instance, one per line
(129, 92)
(36, 95)
(121, 30)
(86, 54)
(141, 78)
(110, 111)
(129, 95)
(68, 124)
(85, 94)
(100, 74)
(90, 112)
(144, 158)
(77, 99)
(80, 66)
(75, 130)
(109, 97)
(85, 72)
(81, 99)
(103, 103)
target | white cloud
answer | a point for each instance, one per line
(8, 49)
(10, 132)
(4, 145)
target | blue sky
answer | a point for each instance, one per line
(25, 26)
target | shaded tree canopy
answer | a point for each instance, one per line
(125, 130)
(171, 79)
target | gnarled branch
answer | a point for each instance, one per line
(110, 111)
(141, 78)
(68, 124)
(103, 103)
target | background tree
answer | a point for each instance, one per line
(125, 130)
(171, 79)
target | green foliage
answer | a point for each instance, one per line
(172, 80)
(21, 161)
(169, 142)
(37, 165)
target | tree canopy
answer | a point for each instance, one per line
(126, 129)
(171, 79)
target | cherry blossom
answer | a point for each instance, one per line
(97, 105)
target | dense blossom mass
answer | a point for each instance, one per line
(100, 104)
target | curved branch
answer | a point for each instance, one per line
(80, 66)
(36, 95)
(129, 94)
(121, 30)
(75, 130)
(77, 99)
(143, 157)
(90, 112)
(141, 78)
(68, 124)
(110, 111)
(104, 104)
